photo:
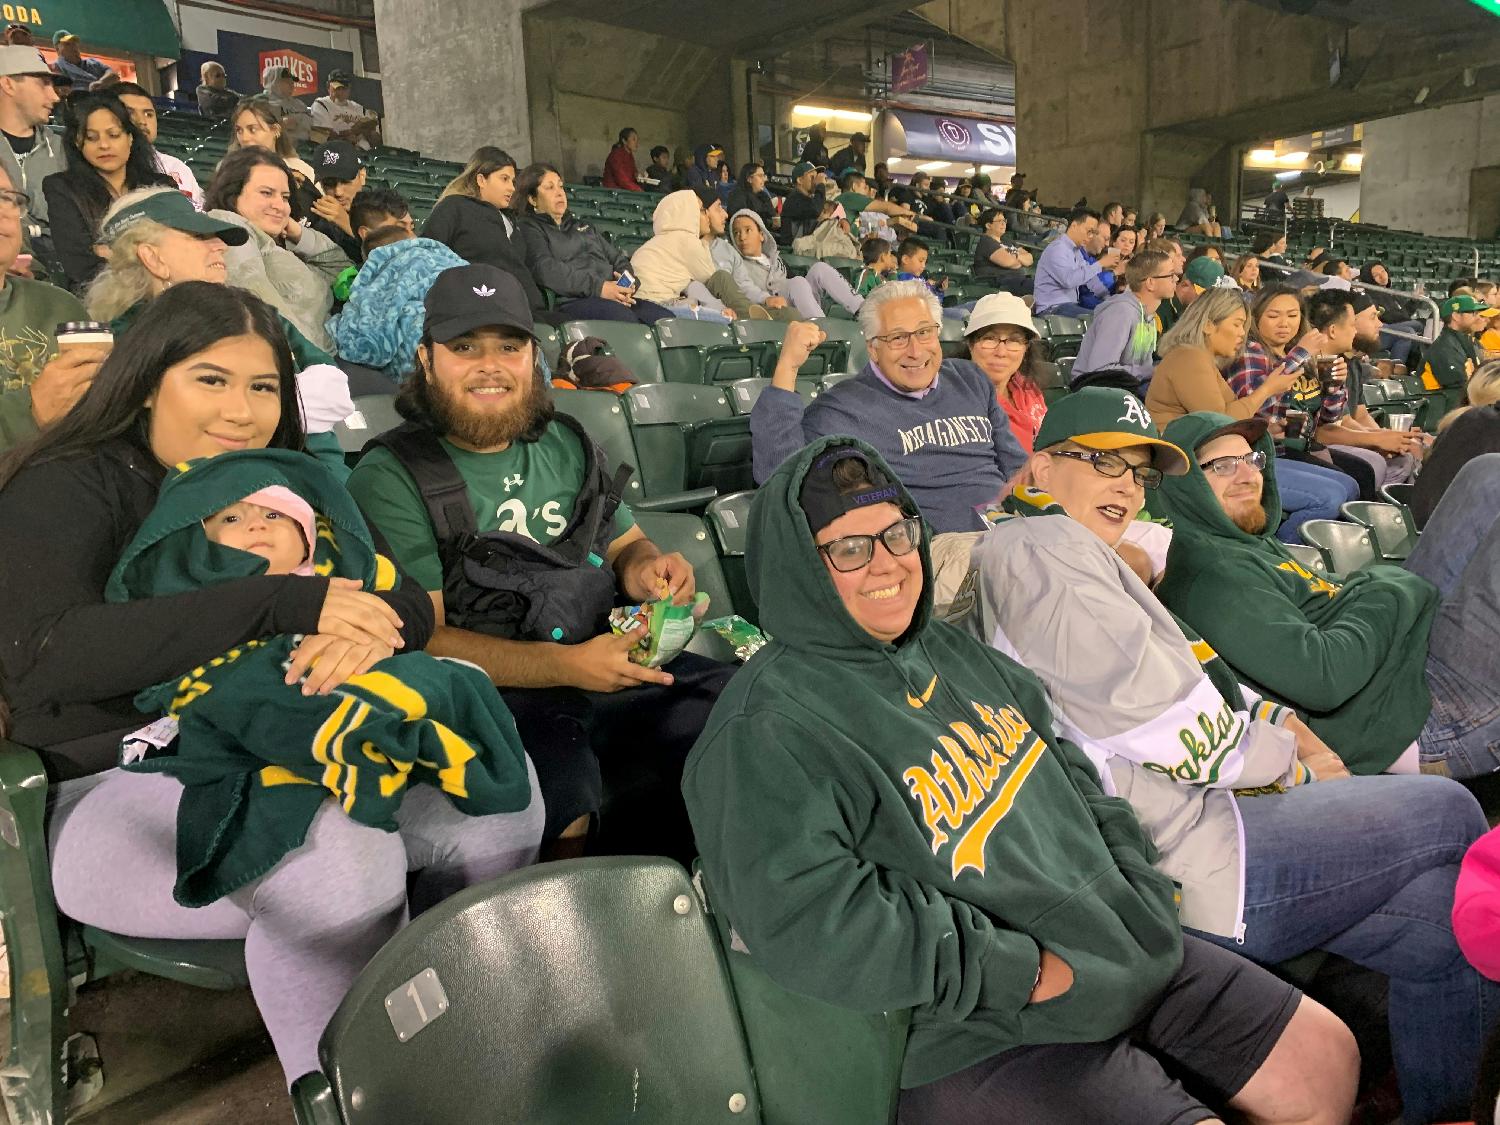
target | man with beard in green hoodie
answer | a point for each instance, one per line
(888, 820)
(1382, 661)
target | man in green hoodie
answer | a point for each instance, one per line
(1390, 664)
(888, 820)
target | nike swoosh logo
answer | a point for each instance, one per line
(921, 701)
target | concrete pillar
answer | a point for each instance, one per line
(1420, 170)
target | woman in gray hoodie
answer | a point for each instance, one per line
(751, 257)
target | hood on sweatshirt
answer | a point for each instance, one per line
(1189, 499)
(768, 245)
(677, 213)
(799, 605)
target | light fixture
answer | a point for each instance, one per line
(1353, 161)
(892, 161)
(820, 112)
(1287, 177)
(932, 166)
(1263, 155)
(1293, 157)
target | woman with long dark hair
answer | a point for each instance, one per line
(619, 166)
(206, 369)
(107, 156)
(474, 218)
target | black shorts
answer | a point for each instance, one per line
(1211, 1030)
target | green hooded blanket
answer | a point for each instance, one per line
(258, 757)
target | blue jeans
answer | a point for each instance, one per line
(598, 308)
(1071, 309)
(1365, 868)
(1309, 492)
(1399, 346)
(1459, 553)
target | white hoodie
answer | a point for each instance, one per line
(676, 255)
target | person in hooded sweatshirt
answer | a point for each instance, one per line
(1391, 665)
(674, 267)
(704, 171)
(753, 260)
(888, 819)
(1239, 796)
(277, 84)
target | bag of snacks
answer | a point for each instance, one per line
(664, 629)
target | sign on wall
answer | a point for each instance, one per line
(304, 70)
(910, 69)
(245, 58)
(963, 139)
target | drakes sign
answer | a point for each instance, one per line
(304, 70)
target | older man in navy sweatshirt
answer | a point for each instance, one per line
(936, 422)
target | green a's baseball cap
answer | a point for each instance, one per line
(1465, 303)
(1104, 418)
(172, 209)
(803, 169)
(1204, 272)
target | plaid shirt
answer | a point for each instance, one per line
(1254, 367)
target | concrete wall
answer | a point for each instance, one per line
(1417, 169)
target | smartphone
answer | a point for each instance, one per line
(626, 281)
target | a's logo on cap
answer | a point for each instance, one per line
(1134, 412)
(330, 157)
(483, 291)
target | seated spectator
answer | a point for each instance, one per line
(1208, 338)
(884, 184)
(1336, 267)
(1098, 244)
(107, 156)
(1063, 269)
(73, 663)
(86, 75)
(285, 263)
(966, 211)
(674, 267)
(1123, 332)
(142, 112)
(938, 420)
(817, 816)
(475, 218)
(215, 98)
(31, 151)
(619, 166)
(1489, 336)
(1234, 819)
(1388, 663)
(854, 195)
(803, 207)
(1468, 432)
(704, 171)
(1156, 226)
(573, 259)
(724, 183)
(479, 406)
(850, 158)
(832, 237)
(934, 193)
(752, 259)
(38, 384)
(982, 185)
(1016, 189)
(880, 264)
(376, 208)
(1207, 250)
(1124, 241)
(658, 174)
(277, 86)
(998, 262)
(380, 324)
(1451, 359)
(1129, 218)
(911, 265)
(340, 118)
(751, 194)
(1184, 293)
(1269, 244)
(1246, 274)
(256, 123)
(341, 177)
(1197, 216)
(1003, 344)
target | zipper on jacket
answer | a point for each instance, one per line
(1239, 915)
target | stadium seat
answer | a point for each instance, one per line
(729, 517)
(1391, 526)
(373, 415)
(633, 344)
(578, 991)
(1399, 494)
(1346, 547)
(1310, 557)
(764, 337)
(847, 342)
(797, 265)
(687, 535)
(602, 415)
(702, 351)
(951, 332)
(744, 393)
(551, 344)
(688, 437)
(1064, 335)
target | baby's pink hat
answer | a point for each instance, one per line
(279, 498)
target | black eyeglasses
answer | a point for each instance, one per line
(1228, 466)
(855, 551)
(1165, 276)
(1113, 465)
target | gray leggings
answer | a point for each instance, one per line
(311, 924)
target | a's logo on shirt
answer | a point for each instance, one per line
(1135, 412)
(1317, 584)
(962, 793)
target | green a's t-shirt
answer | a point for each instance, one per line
(529, 489)
(854, 202)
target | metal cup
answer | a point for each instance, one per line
(1400, 421)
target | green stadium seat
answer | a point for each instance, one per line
(847, 342)
(1310, 557)
(729, 518)
(602, 416)
(373, 415)
(764, 338)
(1401, 494)
(1346, 547)
(577, 991)
(828, 382)
(688, 437)
(686, 534)
(551, 344)
(702, 351)
(797, 265)
(1391, 525)
(744, 393)
(633, 344)
(951, 332)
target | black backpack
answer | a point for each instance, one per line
(501, 583)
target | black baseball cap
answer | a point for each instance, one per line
(821, 500)
(340, 78)
(466, 298)
(336, 160)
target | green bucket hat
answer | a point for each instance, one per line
(172, 209)
(1103, 418)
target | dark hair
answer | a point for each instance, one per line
(1203, 250)
(873, 249)
(1326, 307)
(748, 170)
(1264, 240)
(530, 179)
(1328, 266)
(1460, 283)
(850, 475)
(140, 167)
(134, 89)
(846, 181)
(1263, 298)
(414, 399)
(374, 201)
(1110, 206)
(233, 172)
(987, 216)
(660, 150)
(384, 236)
(909, 246)
(185, 320)
(1081, 215)
(624, 136)
(266, 110)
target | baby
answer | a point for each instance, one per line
(274, 523)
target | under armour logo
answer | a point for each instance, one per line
(483, 291)
(1134, 412)
(515, 481)
(330, 157)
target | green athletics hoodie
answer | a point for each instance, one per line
(257, 757)
(1349, 652)
(893, 826)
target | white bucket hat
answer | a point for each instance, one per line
(1000, 308)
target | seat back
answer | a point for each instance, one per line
(764, 337)
(745, 393)
(373, 415)
(1391, 525)
(1346, 547)
(688, 437)
(1310, 557)
(687, 535)
(853, 351)
(951, 332)
(1401, 494)
(703, 351)
(582, 990)
(551, 344)
(729, 518)
(633, 344)
(602, 416)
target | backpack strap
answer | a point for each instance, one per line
(437, 478)
(608, 492)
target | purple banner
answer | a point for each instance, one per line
(910, 69)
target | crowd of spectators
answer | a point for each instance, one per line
(1021, 755)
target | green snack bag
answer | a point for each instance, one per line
(745, 638)
(664, 629)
